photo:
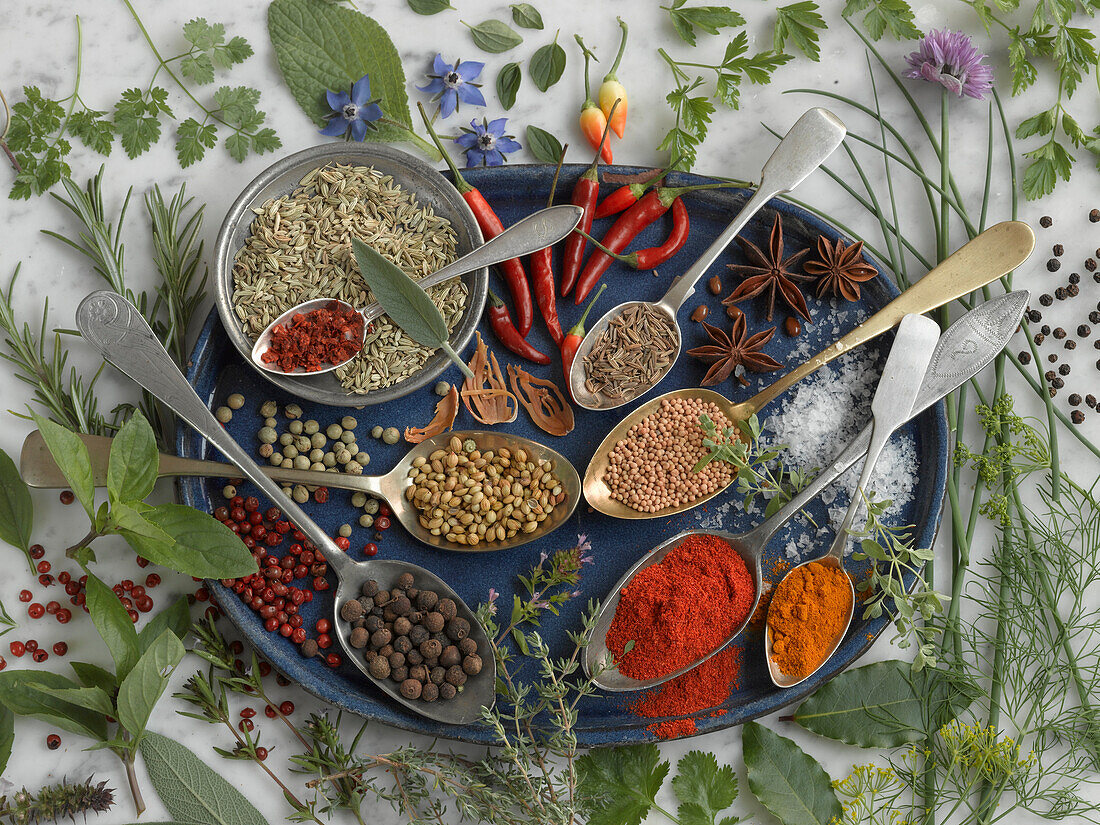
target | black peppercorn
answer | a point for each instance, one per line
(1046, 221)
(1053, 357)
(1094, 215)
(1075, 399)
(1034, 316)
(1077, 417)
(1094, 316)
(1053, 265)
(1024, 357)
(1060, 293)
(1057, 249)
(1045, 329)
(1090, 399)
(1057, 383)
(1084, 330)
(1073, 290)
(1096, 344)
(1052, 392)
(1049, 375)
(1059, 333)
(1039, 338)
(1090, 264)
(1096, 277)
(1064, 369)
(1074, 277)
(1045, 299)
(1070, 344)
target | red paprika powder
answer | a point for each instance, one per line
(313, 340)
(700, 689)
(676, 611)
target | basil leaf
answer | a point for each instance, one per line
(321, 47)
(786, 781)
(429, 6)
(90, 698)
(404, 301)
(72, 459)
(526, 16)
(94, 676)
(113, 623)
(508, 82)
(543, 145)
(129, 522)
(7, 736)
(142, 688)
(547, 65)
(132, 469)
(176, 617)
(202, 546)
(191, 790)
(21, 692)
(16, 507)
(493, 36)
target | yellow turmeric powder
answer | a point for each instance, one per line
(808, 611)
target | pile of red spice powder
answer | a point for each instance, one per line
(317, 339)
(676, 611)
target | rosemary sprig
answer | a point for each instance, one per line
(63, 800)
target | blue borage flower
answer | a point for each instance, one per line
(485, 143)
(353, 113)
(452, 85)
(951, 60)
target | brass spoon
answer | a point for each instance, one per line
(998, 250)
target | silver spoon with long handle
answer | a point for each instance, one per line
(963, 351)
(115, 328)
(892, 406)
(812, 138)
(537, 231)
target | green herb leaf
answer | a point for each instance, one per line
(131, 524)
(201, 545)
(429, 6)
(137, 120)
(786, 781)
(703, 789)
(618, 786)
(404, 301)
(176, 617)
(21, 692)
(16, 506)
(526, 16)
(543, 145)
(1049, 162)
(320, 47)
(799, 22)
(93, 129)
(193, 139)
(895, 16)
(494, 36)
(142, 688)
(71, 457)
(710, 19)
(91, 698)
(132, 468)
(547, 65)
(508, 83)
(192, 791)
(94, 676)
(7, 736)
(113, 623)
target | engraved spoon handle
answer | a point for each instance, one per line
(114, 327)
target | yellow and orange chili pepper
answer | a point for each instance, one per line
(592, 119)
(611, 90)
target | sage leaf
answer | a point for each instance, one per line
(883, 705)
(429, 6)
(7, 736)
(405, 302)
(787, 781)
(321, 47)
(508, 83)
(72, 459)
(703, 788)
(543, 145)
(526, 16)
(91, 675)
(113, 624)
(201, 545)
(618, 786)
(132, 468)
(494, 36)
(16, 507)
(21, 692)
(192, 791)
(176, 617)
(547, 65)
(142, 688)
(92, 698)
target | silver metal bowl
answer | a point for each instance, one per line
(416, 176)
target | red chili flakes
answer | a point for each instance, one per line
(314, 340)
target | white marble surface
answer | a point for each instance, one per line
(37, 42)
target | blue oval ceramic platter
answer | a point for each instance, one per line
(217, 370)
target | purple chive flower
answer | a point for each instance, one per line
(452, 85)
(950, 59)
(492, 601)
(355, 112)
(486, 143)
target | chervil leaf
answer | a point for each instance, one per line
(1024, 72)
(1075, 55)
(1050, 162)
(707, 18)
(236, 50)
(703, 789)
(1073, 131)
(158, 101)
(759, 68)
(137, 120)
(265, 140)
(94, 131)
(696, 114)
(237, 144)
(895, 16)
(202, 35)
(798, 22)
(198, 68)
(193, 139)
(1040, 124)
(618, 786)
(236, 103)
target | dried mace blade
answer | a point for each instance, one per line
(543, 401)
(841, 269)
(486, 395)
(727, 352)
(445, 412)
(770, 274)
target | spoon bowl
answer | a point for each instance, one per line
(263, 342)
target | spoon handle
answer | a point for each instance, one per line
(114, 327)
(809, 141)
(537, 231)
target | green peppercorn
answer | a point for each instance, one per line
(301, 462)
(354, 467)
(343, 456)
(362, 458)
(376, 431)
(275, 459)
(344, 530)
(358, 499)
(268, 409)
(235, 401)
(228, 491)
(316, 455)
(391, 435)
(365, 520)
(223, 414)
(312, 427)
(290, 451)
(267, 435)
(271, 422)
(371, 506)
(286, 438)
(288, 463)
(442, 388)
(334, 431)
(348, 423)
(292, 411)
(318, 440)
(300, 494)
(295, 427)
(347, 437)
(317, 466)
(266, 450)
(288, 489)
(329, 460)
(303, 443)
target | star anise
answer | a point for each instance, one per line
(770, 273)
(728, 351)
(841, 269)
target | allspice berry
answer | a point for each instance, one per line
(447, 691)
(437, 675)
(446, 608)
(700, 313)
(401, 626)
(450, 656)
(370, 587)
(714, 285)
(379, 667)
(402, 606)
(351, 610)
(405, 581)
(399, 674)
(457, 629)
(431, 649)
(467, 646)
(381, 638)
(456, 676)
(472, 665)
(426, 600)
(429, 692)
(434, 622)
(309, 648)
(411, 689)
(359, 638)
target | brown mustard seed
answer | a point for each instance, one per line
(791, 326)
(714, 285)
(699, 313)
(1077, 417)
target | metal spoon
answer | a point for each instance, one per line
(891, 407)
(115, 328)
(964, 349)
(998, 250)
(536, 231)
(813, 138)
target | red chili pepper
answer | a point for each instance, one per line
(491, 226)
(507, 334)
(572, 341)
(656, 255)
(542, 271)
(585, 192)
(624, 197)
